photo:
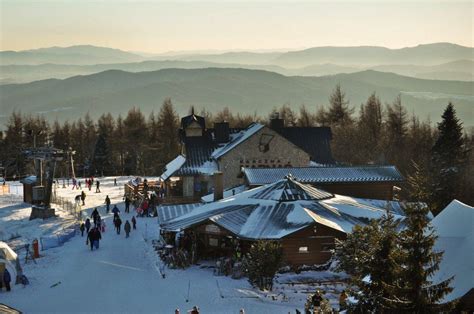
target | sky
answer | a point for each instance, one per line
(191, 25)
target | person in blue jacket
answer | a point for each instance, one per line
(6, 279)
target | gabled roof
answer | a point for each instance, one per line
(282, 208)
(198, 152)
(237, 139)
(315, 175)
(316, 141)
(187, 120)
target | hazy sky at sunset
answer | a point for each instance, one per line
(160, 26)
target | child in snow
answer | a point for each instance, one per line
(82, 228)
(127, 228)
(134, 223)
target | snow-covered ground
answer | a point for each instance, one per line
(123, 275)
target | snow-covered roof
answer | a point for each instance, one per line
(173, 166)
(168, 212)
(237, 139)
(276, 210)
(227, 193)
(455, 229)
(29, 180)
(260, 176)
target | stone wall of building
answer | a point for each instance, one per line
(265, 149)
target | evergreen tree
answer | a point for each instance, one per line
(14, 162)
(168, 125)
(339, 111)
(448, 160)
(415, 292)
(262, 263)
(396, 134)
(101, 159)
(370, 128)
(306, 119)
(136, 137)
(419, 184)
(372, 256)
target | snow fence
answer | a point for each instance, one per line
(57, 239)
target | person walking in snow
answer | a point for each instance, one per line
(88, 225)
(94, 215)
(82, 228)
(94, 237)
(6, 279)
(99, 222)
(134, 223)
(194, 310)
(97, 186)
(127, 204)
(127, 228)
(107, 204)
(83, 198)
(74, 184)
(118, 224)
(115, 210)
(115, 181)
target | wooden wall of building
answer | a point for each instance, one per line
(318, 245)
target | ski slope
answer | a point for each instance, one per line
(123, 277)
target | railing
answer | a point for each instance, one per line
(73, 209)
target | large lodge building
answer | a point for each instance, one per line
(272, 183)
(259, 155)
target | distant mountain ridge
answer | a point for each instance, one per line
(243, 90)
(442, 61)
(81, 54)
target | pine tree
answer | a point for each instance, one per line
(415, 292)
(396, 134)
(419, 184)
(168, 124)
(339, 111)
(101, 159)
(372, 256)
(262, 263)
(306, 119)
(449, 159)
(370, 126)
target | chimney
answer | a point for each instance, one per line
(221, 131)
(277, 123)
(218, 186)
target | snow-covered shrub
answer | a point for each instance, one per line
(262, 263)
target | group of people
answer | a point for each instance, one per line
(118, 223)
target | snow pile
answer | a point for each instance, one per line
(455, 228)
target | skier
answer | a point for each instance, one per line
(134, 223)
(127, 228)
(97, 186)
(94, 236)
(118, 223)
(88, 225)
(6, 279)
(107, 204)
(115, 210)
(82, 227)
(127, 204)
(83, 198)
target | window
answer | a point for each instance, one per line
(303, 249)
(213, 242)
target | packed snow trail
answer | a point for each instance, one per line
(122, 277)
